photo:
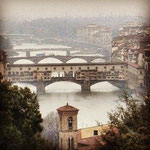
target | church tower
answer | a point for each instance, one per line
(68, 132)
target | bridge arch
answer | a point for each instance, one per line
(31, 86)
(54, 74)
(63, 86)
(23, 61)
(49, 60)
(106, 86)
(103, 86)
(63, 74)
(76, 60)
(98, 60)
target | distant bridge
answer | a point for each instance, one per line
(85, 75)
(63, 59)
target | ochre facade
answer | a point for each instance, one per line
(68, 133)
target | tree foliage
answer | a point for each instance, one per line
(132, 122)
(20, 119)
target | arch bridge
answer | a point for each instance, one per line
(63, 59)
(86, 75)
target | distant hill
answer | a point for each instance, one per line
(62, 27)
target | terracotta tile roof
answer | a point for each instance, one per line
(93, 142)
(89, 143)
(67, 108)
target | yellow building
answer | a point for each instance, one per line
(92, 131)
(70, 138)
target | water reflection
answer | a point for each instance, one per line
(93, 106)
(23, 61)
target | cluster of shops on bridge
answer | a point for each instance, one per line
(99, 71)
(83, 74)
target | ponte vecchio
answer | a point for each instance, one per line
(84, 74)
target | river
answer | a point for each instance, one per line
(92, 106)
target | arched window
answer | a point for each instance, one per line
(70, 143)
(70, 123)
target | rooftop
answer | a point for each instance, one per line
(89, 143)
(67, 108)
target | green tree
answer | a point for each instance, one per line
(20, 119)
(132, 122)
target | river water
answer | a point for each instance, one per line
(92, 106)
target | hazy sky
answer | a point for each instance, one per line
(32, 9)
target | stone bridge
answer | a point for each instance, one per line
(85, 75)
(63, 59)
(85, 84)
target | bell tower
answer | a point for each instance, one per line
(68, 132)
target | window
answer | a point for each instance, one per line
(37, 68)
(29, 68)
(70, 143)
(54, 68)
(104, 67)
(121, 66)
(80, 68)
(95, 132)
(20, 68)
(9, 68)
(88, 68)
(71, 68)
(70, 123)
(63, 68)
(45, 68)
(96, 68)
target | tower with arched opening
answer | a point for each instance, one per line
(68, 132)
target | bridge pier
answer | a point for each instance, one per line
(85, 86)
(27, 54)
(40, 87)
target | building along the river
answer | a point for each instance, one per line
(72, 138)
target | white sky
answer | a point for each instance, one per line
(32, 9)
